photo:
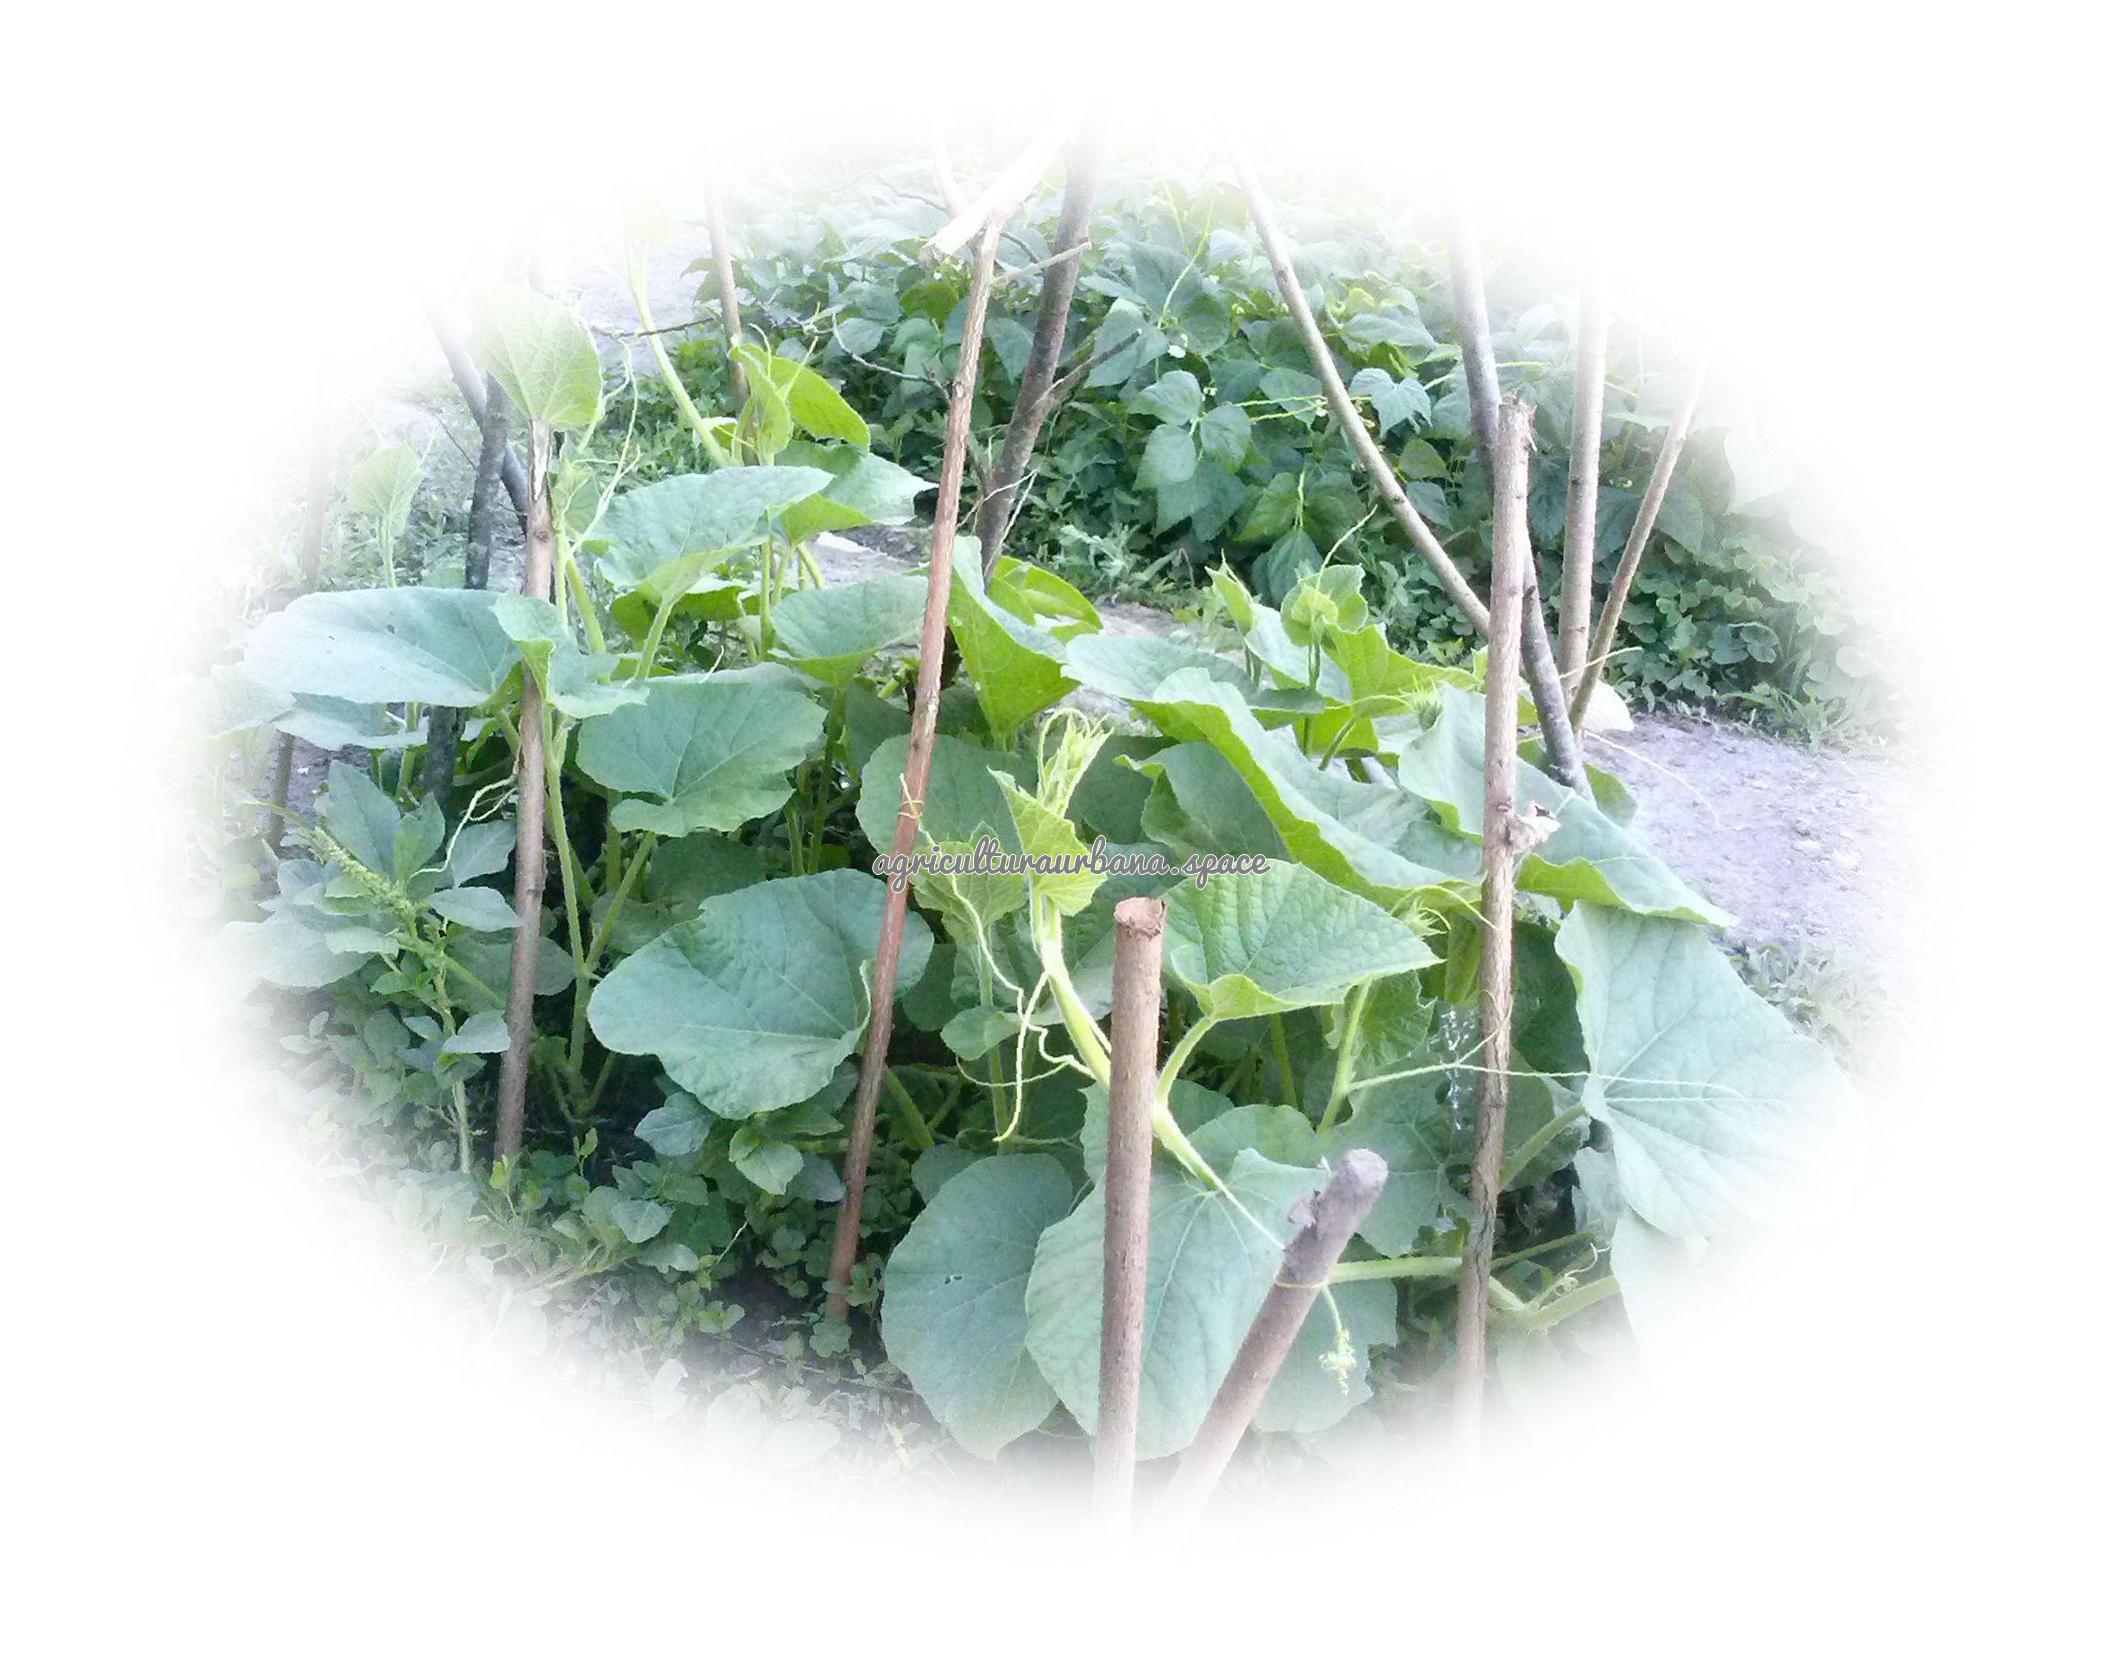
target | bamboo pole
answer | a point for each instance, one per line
(1632, 554)
(1580, 532)
(1470, 301)
(916, 773)
(1140, 941)
(1500, 845)
(729, 295)
(1375, 464)
(529, 866)
(1323, 1224)
(998, 505)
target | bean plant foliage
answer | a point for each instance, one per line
(1198, 435)
(727, 738)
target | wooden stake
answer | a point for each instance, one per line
(1322, 1226)
(529, 869)
(1140, 940)
(1470, 300)
(1632, 554)
(444, 732)
(1501, 841)
(998, 505)
(1580, 533)
(729, 296)
(471, 384)
(1375, 464)
(1005, 192)
(916, 772)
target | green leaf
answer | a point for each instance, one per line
(1134, 665)
(679, 1126)
(954, 1317)
(752, 1004)
(1177, 398)
(384, 485)
(1706, 1088)
(361, 817)
(1408, 1123)
(476, 907)
(575, 683)
(816, 406)
(540, 355)
(1255, 945)
(1226, 434)
(769, 1165)
(709, 755)
(1589, 858)
(660, 538)
(1209, 1269)
(1016, 663)
(867, 490)
(1169, 457)
(483, 1034)
(830, 632)
(1367, 838)
(1395, 401)
(413, 643)
(1199, 805)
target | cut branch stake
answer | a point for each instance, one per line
(1470, 301)
(997, 506)
(446, 729)
(1004, 192)
(916, 772)
(1632, 554)
(1580, 533)
(471, 383)
(1322, 1225)
(729, 296)
(1375, 463)
(529, 870)
(1140, 941)
(1501, 841)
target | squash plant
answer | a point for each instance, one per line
(726, 742)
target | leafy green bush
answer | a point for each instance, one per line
(1199, 435)
(728, 741)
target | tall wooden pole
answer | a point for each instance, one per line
(1580, 533)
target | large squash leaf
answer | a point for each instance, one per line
(576, 683)
(954, 1317)
(661, 538)
(1254, 945)
(1588, 858)
(411, 643)
(752, 1004)
(831, 631)
(707, 755)
(1707, 1089)
(1011, 635)
(867, 489)
(1133, 666)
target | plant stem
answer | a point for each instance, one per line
(706, 437)
(1282, 1049)
(568, 863)
(1518, 1162)
(1346, 1055)
(1394, 1269)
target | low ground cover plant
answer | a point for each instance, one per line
(699, 747)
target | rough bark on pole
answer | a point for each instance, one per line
(1322, 1226)
(444, 740)
(1140, 942)
(529, 869)
(729, 297)
(1470, 303)
(471, 384)
(997, 507)
(1632, 554)
(1005, 192)
(1580, 533)
(1375, 463)
(1501, 840)
(916, 772)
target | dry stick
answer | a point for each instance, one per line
(1470, 300)
(1632, 555)
(445, 738)
(1367, 451)
(916, 772)
(1003, 193)
(1501, 842)
(529, 863)
(1140, 941)
(994, 510)
(729, 299)
(1322, 1225)
(471, 384)
(1580, 533)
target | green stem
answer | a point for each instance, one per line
(1282, 1048)
(556, 732)
(1539, 1140)
(1346, 1056)
(912, 1116)
(695, 420)
(591, 962)
(1591, 1292)
(651, 646)
(1393, 1269)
